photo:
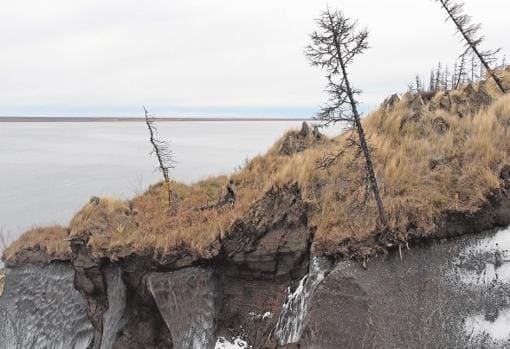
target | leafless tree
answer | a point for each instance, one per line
(333, 48)
(460, 72)
(438, 77)
(470, 34)
(432, 81)
(454, 76)
(418, 83)
(163, 154)
(446, 78)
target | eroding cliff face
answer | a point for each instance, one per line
(119, 305)
(188, 300)
(41, 309)
(450, 294)
(273, 239)
(261, 291)
(238, 295)
(90, 281)
(142, 325)
(266, 252)
(112, 318)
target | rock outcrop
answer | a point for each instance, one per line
(463, 103)
(297, 141)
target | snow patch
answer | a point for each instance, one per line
(497, 330)
(260, 316)
(237, 343)
(486, 261)
(295, 309)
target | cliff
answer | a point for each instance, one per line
(278, 266)
(446, 293)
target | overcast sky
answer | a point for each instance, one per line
(215, 57)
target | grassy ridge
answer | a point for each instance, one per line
(432, 153)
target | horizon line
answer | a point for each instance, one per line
(140, 119)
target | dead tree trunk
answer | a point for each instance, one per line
(333, 48)
(469, 33)
(363, 142)
(163, 155)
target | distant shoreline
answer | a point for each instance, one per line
(133, 119)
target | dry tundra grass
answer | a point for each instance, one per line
(39, 245)
(431, 154)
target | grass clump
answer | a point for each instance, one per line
(39, 245)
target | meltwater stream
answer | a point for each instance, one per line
(295, 309)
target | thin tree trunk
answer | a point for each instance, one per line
(383, 219)
(159, 157)
(473, 47)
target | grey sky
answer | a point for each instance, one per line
(194, 57)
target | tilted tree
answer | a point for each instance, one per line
(459, 74)
(470, 33)
(333, 48)
(163, 154)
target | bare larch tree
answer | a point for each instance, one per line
(470, 33)
(163, 154)
(459, 74)
(333, 48)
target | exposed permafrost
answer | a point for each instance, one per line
(187, 299)
(484, 268)
(486, 261)
(41, 309)
(116, 305)
(295, 309)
